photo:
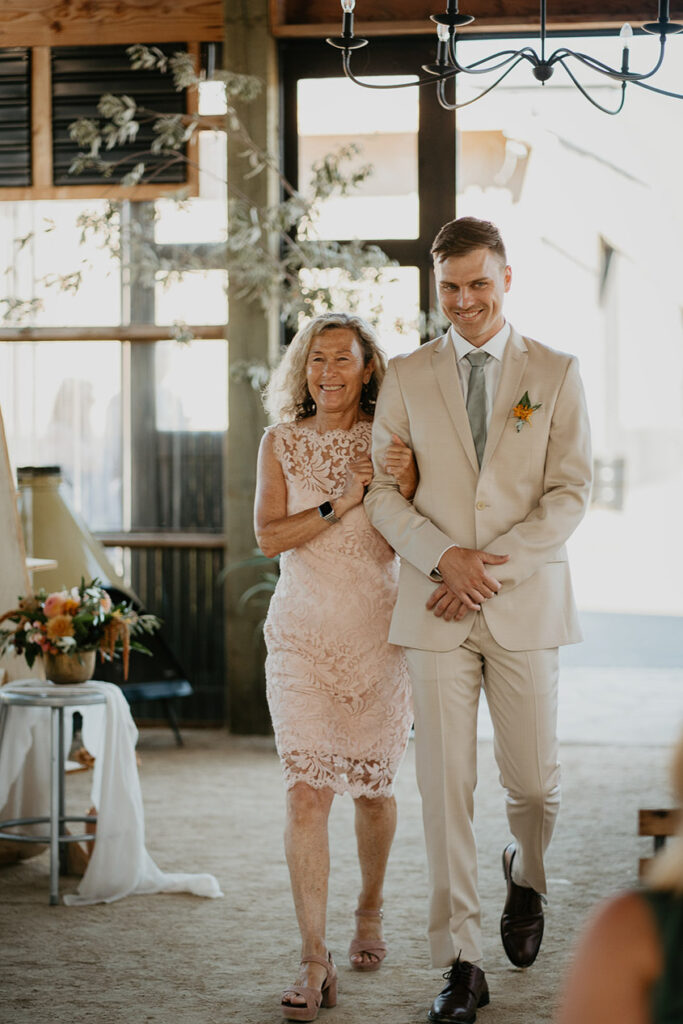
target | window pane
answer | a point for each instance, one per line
(592, 213)
(191, 386)
(391, 306)
(201, 219)
(333, 112)
(61, 403)
(39, 243)
(198, 297)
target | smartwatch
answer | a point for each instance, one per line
(327, 512)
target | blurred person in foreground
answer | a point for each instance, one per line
(628, 966)
(338, 691)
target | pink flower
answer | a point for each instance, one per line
(54, 604)
(105, 602)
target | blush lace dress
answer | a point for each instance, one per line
(338, 692)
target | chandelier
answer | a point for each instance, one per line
(447, 65)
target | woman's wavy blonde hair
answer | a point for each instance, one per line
(287, 398)
(666, 871)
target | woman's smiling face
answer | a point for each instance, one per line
(336, 370)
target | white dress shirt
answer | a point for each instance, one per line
(494, 347)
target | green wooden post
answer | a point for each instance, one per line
(252, 335)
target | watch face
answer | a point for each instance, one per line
(326, 509)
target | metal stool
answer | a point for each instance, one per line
(34, 693)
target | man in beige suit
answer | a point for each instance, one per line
(499, 429)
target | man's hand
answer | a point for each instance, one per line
(399, 462)
(464, 573)
(446, 605)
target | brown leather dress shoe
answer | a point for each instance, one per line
(465, 991)
(521, 926)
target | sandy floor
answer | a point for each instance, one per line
(217, 806)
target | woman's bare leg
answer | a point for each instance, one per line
(308, 858)
(375, 829)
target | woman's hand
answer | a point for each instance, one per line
(358, 475)
(399, 462)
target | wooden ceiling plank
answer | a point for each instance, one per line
(291, 18)
(109, 22)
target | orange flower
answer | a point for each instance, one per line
(71, 606)
(523, 412)
(60, 625)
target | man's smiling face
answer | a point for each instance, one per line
(471, 289)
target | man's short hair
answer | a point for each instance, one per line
(460, 237)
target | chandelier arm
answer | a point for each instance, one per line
(662, 92)
(587, 95)
(476, 69)
(346, 65)
(441, 90)
(605, 69)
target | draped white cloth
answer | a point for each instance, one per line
(120, 864)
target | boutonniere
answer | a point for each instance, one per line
(524, 410)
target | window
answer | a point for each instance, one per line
(412, 190)
(591, 212)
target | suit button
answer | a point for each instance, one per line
(480, 506)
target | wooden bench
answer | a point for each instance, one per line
(658, 823)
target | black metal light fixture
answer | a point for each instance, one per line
(447, 65)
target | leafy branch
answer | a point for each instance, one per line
(273, 253)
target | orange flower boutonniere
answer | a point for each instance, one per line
(524, 410)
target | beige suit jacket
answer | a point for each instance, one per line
(528, 498)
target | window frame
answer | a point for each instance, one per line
(436, 140)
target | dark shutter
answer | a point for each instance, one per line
(80, 75)
(15, 117)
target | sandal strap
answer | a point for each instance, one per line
(313, 959)
(369, 913)
(377, 947)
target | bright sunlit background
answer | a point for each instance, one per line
(592, 214)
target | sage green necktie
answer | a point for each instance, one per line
(476, 401)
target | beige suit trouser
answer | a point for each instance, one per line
(521, 692)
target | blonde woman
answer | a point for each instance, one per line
(628, 967)
(338, 692)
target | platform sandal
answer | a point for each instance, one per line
(374, 947)
(315, 997)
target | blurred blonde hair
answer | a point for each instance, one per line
(666, 871)
(286, 396)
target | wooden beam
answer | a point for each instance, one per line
(113, 191)
(192, 101)
(131, 332)
(176, 539)
(109, 22)
(291, 18)
(41, 118)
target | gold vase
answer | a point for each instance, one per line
(70, 668)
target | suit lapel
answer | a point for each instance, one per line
(508, 393)
(446, 371)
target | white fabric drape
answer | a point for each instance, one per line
(120, 864)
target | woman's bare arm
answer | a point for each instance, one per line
(275, 530)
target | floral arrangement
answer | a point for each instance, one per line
(524, 410)
(73, 621)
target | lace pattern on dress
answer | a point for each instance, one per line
(338, 692)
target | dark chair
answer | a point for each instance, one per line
(159, 677)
